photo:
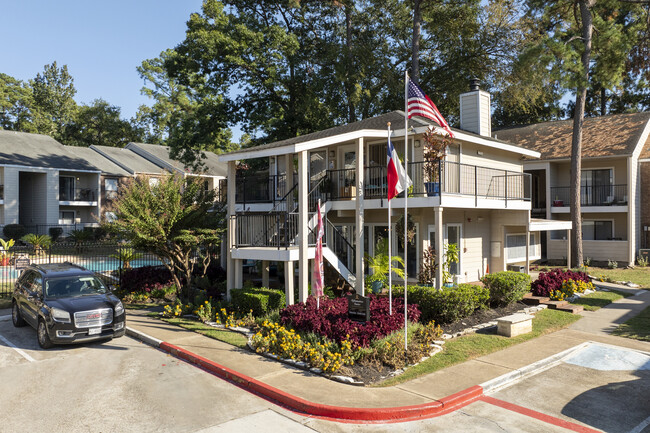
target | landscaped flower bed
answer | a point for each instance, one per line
(331, 319)
(551, 281)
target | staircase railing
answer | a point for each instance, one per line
(341, 247)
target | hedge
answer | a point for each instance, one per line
(506, 287)
(260, 300)
(448, 304)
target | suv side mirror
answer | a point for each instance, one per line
(112, 288)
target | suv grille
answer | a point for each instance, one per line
(93, 318)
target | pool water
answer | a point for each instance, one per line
(107, 264)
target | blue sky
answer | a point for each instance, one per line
(102, 42)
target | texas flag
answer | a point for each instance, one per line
(398, 180)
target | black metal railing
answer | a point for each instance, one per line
(261, 188)
(340, 245)
(596, 195)
(78, 194)
(432, 178)
(106, 260)
(266, 229)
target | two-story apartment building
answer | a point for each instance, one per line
(44, 184)
(614, 148)
(477, 197)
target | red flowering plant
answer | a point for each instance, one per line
(549, 282)
(331, 319)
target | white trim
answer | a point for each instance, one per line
(639, 145)
(460, 240)
(541, 225)
(307, 145)
(50, 168)
(601, 220)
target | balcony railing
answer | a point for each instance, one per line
(596, 195)
(79, 194)
(435, 178)
(270, 229)
(260, 188)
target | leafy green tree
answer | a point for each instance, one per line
(53, 96)
(15, 104)
(100, 124)
(171, 219)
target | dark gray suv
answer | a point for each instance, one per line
(66, 303)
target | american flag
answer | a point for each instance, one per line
(419, 104)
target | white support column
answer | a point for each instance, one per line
(359, 219)
(231, 224)
(303, 229)
(288, 282)
(437, 211)
(527, 251)
(265, 273)
(568, 249)
(239, 273)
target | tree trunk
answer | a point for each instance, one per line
(417, 27)
(576, 142)
(603, 101)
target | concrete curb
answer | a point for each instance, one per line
(5, 318)
(530, 369)
(143, 337)
(300, 405)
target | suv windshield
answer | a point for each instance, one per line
(74, 286)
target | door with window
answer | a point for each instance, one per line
(66, 188)
(597, 187)
(453, 237)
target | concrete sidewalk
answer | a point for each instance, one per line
(429, 389)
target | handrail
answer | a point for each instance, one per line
(338, 236)
(283, 199)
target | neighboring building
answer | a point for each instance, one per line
(45, 184)
(477, 197)
(615, 179)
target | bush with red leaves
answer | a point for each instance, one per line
(548, 282)
(332, 321)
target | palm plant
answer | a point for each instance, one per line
(126, 256)
(39, 242)
(379, 265)
(5, 255)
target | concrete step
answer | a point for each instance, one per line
(534, 300)
(555, 304)
(570, 308)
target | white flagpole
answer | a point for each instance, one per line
(390, 249)
(406, 193)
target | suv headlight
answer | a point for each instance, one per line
(119, 308)
(60, 315)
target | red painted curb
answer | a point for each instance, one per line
(336, 413)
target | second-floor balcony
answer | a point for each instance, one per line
(592, 195)
(430, 179)
(78, 195)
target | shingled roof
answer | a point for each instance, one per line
(612, 135)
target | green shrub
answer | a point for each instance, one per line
(55, 233)
(14, 231)
(448, 304)
(506, 287)
(260, 300)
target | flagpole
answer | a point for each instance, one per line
(406, 193)
(390, 254)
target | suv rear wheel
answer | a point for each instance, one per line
(15, 316)
(43, 337)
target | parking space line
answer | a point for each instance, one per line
(638, 429)
(6, 317)
(20, 351)
(537, 415)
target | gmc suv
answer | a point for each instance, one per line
(66, 303)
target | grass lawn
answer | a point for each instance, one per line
(638, 275)
(637, 327)
(230, 337)
(475, 345)
(597, 300)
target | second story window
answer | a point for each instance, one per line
(110, 185)
(66, 188)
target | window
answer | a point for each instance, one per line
(110, 185)
(597, 230)
(66, 217)
(454, 237)
(66, 188)
(558, 235)
(516, 247)
(597, 187)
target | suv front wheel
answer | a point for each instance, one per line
(16, 317)
(43, 337)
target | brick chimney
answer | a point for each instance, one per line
(475, 114)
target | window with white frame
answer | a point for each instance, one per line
(66, 217)
(597, 230)
(110, 185)
(516, 247)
